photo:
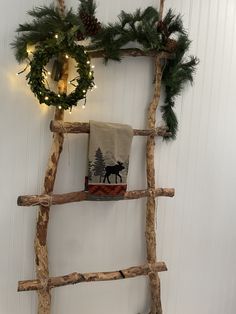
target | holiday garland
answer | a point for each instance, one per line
(152, 34)
(55, 36)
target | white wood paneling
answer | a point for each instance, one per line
(196, 229)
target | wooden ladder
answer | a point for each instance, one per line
(44, 283)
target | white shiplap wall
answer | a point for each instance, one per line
(196, 229)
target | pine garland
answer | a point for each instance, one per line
(48, 21)
(143, 27)
(152, 34)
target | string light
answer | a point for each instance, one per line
(70, 111)
(84, 91)
(88, 62)
(93, 66)
(95, 86)
(67, 57)
(59, 107)
(49, 73)
(46, 97)
(83, 106)
(58, 95)
(56, 36)
(90, 73)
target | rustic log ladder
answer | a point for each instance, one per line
(44, 283)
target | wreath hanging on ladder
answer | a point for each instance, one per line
(36, 78)
(61, 36)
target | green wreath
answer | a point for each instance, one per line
(36, 76)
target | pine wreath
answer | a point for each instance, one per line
(36, 77)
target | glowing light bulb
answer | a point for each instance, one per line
(59, 107)
(95, 86)
(67, 57)
(88, 62)
(56, 36)
(83, 106)
(90, 73)
(46, 97)
(93, 66)
(17, 74)
(58, 95)
(49, 73)
(84, 91)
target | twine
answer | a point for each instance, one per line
(44, 203)
(44, 283)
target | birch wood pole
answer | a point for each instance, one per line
(156, 307)
(40, 243)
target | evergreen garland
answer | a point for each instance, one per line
(47, 21)
(143, 27)
(151, 34)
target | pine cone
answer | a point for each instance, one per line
(162, 28)
(171, 45)
(91, 24)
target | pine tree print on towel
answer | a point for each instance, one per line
(99, 164)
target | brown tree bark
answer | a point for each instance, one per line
(59, 199)
(83, 127)
(40, 243)
(75, 278)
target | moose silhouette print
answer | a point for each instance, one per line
(113, 170)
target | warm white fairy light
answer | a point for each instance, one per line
(59, 107)
(70, 111)
(95, 86)
(83, 106)
(90, 73)
(88, 62)
(49, 73)
(84, 91)
(93, 66)
(46, 97)
(58, 95)
(56, 36)
(67, 57)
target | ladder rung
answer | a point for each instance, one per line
(83, 127)
(75, 278)
(134, 52)
(58, 199)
